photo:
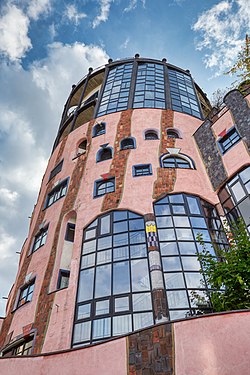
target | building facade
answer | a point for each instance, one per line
(140, 166)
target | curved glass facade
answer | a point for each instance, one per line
(148, 85)
(114, 292)
(235, 197)
(180, 218)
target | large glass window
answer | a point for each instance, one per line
(183, 96)
(180, 218)
(149, 88)
(235, 197)
(116, 91)
(114, 293)
(58, 192)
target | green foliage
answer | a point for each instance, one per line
(229, 275)
(242, 65)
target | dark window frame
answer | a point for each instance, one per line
(151, 135)
(99, 129)
(12, 349)
(172, 133)
(56, 170)
(231, 138)
(99, 183)
(101, 152)
(69, 229)
(138, 170)
(28, 294)
(63, 274)
(126, 143)
(58, 192)
(178, 159)
(39, 237)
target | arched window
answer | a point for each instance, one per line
(172, 133)
(176, 161)
(99, 129)
(104, 186)
(82, 147)
(127, 143)
(151, 135)
(104, 154)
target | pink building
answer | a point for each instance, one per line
(141, 165)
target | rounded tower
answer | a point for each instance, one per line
(135, 174)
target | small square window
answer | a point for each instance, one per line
(231, 138)
(40, 239)
(63, 279)
(26, 293)
(103, 187)
(70, 232)
(142, 170)
(56, 170)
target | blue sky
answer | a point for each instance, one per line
(48, 45)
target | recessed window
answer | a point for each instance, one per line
(151, 135)
(99, 129)
(82, 147)
(104, 154)
(58, 192)
(63, 279)
(26, 293)
(24, 347)
(104, 186)
(70, 232)
(175, 161)
(56, 170)
(172, 133)
(40, 239)
(230, 139)
(142, 170)
(127, 143)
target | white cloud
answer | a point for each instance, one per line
(125, 44)
(28, 125)
(133, 4)
(14, 40)
(104, 13)
(73, 15)
(36, 8)
(223, 28)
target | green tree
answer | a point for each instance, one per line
(242, 64)
(229, 275)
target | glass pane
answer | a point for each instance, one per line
(168, 248)
(179, 314)
(120, 239)
(198, 297)
(181, 221)
(88, 261)
(178, 209)
(82, 332)
(102, 307)
(238, 191)
(121, 279)
(177, 299)
(194, 280)
(143, 320)
(164, 222)
(140, 277)
(176, 198)
(138, 251)
(137, 237)
(120, 253)
(121, 226)
(171, 264)
(174, 280)
(104, 243)
(136, 224)
(162, 210)
(184, 234)
(86, 282)
(244, 208)
(121, 304)
(105, 224)
(142, 301)
(245, 175)
(193, 205)
(83, 311)
(191, 264)
(122, 324)
(101, 328)
(120, 215)
(89, 247)
(203, 233)
(198, 222)
(166, 234)
(103, 281)
(104, 257)
(187, 248)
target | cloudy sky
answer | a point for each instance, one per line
(48, 45)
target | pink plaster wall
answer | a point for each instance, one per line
(105, 359)
(213, 345)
